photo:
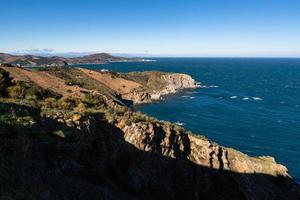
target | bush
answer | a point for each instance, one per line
(93, 100)
(5, 82)
(6, 65)
(50, 103)
(81, 107)
(39, 93)
(15, 91)
(67, 103)
(138, 117)
(34, 92)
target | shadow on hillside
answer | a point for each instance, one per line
(94, 161)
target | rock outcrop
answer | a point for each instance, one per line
(168, 83)
(177, 144)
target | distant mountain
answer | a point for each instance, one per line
(32, 60)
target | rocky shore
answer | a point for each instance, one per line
(78, 139)
(169, 83)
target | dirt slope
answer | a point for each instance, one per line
(117, 84)
(45, 80)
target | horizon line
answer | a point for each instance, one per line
(141, 55)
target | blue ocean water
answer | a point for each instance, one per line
(251, 104)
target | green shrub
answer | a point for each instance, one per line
(50, 102)
(7, 65)
(34, 92)
(38, 92)
(15, 91)
(5, 82)
(67, 103)
(93, 100)
(81, 107)
(138, 117)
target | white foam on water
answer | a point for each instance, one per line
(192, 92)
(179, 123)
(246, 98)
(213, 86)
(192, 97)
(185, 96)
(257, 98)
(233, 97)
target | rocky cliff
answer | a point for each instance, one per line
(173, 143)
(81, 142)
(76, 156)
(157, 84)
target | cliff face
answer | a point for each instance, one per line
(177, 144)
(87, 157)
(245, 171)
(168, 83)
(173, 83)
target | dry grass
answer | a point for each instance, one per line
(115, 83)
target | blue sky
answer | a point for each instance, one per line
(154, 27)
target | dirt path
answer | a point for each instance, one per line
(119, 85)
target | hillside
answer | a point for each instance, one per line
(32, 61)
(68, 133)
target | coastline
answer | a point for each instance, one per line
(94, 112)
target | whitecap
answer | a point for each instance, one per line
(257, 98)
(213, 86)
(246, 98)
(233, 97)
(185, 96)
(192, 97)
(192, 92)
(179, 123)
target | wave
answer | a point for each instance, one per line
(246, 98)
(179, 123)
(212, 86)
(233, 97)
(257, 98)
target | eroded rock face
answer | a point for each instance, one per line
(177, 144)
(179, 81)
(246, 171)
(170, 83)
(93, 159)
(173, 82)
(138, 97)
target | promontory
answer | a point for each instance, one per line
(71, 133)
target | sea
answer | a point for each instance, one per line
(250, 104)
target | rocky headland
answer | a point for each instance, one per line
(56, 61)
(68, 133)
